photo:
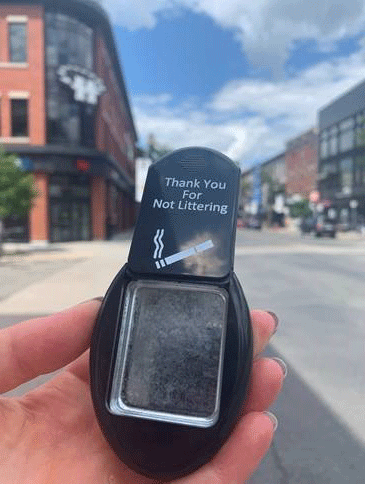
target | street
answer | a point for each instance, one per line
(315, 286)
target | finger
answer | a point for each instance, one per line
(80, 367)
(44, 345)
(266, 381)
(264, 325)
(240, 456)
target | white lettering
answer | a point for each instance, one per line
(157, 203)
(176, 183)
(213, 185)
(163, 204)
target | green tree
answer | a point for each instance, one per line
(16, 189)
(361, 137)
(156, 151)
(300, 209)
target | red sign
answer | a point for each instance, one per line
(83, 165)
(314, 196)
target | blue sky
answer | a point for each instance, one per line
(239, 77)
(187, 55)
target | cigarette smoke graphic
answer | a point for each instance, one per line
(181, 255)
(158, 243)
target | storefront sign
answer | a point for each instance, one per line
(314, 196)
(69, 165)
(86, 85)
(83, 165)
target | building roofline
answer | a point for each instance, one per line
(97, 16)
(274, 158)
(340, 96)
(302, 134)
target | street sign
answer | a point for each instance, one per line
(314, 196)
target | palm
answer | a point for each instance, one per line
(51, 435)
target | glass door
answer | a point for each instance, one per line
(60, 221)
(80, 220)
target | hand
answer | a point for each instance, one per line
(50, 435)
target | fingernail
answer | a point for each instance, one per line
(273, 419)
(99, 298)
(275, 318)
(282, 364)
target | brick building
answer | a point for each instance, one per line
(301, 160)
(65, 113)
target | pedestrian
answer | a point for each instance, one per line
(50, 434)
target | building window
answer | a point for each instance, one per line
(18, 42)
(360, 171)
(324, 145)
(333, 141)
(68, 43)
(329, 176)
(19, 117)
(347, 134)
(360, 129)
(346, 170)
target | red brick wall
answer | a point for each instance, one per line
(29, 78)
(301, 169)
(98, 208)
(112, 122)
(39, 214)
(112, 127)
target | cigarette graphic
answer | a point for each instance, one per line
(184, 254)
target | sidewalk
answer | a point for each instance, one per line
(44, 247)
(79, 282)
(292, 230)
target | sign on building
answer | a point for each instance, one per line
(86, 85)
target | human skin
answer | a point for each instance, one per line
(51, 436)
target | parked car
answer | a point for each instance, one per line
(325, 227)
(307, 225)
(254, 223)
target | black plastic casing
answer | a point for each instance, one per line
(161, 450)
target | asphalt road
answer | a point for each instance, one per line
(317, 289)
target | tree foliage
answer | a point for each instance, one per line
(361, 137)
(155, 150)
(300, 209)
(16, 187)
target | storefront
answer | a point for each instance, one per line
(74, 128)
(342, 157)
(69, 200)
(83, 198)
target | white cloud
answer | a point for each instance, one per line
(135, 14)
(252, 119)
(265, 28)
(277, 111)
